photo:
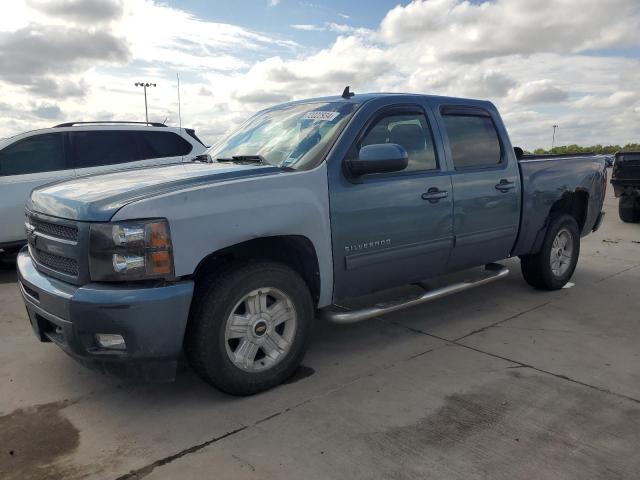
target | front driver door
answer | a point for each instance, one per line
(395, 228)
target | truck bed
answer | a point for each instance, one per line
(550, 180)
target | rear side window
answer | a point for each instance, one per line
(95, 148)
(473, 140)
(163, 144)
(39, 153)
(412, 132)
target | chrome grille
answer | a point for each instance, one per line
(55, 230)
(56, 262)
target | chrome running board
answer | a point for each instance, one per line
(493, 272)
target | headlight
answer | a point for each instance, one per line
(136, 250)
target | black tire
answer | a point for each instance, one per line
(536, 269)
(214, 302)
(10, 250)
(628, 209)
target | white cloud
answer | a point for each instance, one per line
(308, 27)
(339, 28)
(538, 61)
(464, 31)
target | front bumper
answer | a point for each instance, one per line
(626, 186)
(152, 321)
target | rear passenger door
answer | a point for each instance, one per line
(24, 165)
(99, 151)
(486, 186)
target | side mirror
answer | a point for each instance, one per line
(519, 153)
(379, 158)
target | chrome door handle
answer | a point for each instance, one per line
(505, 185)
(435, 195)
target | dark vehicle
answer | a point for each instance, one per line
(626, 185)
(306, 206)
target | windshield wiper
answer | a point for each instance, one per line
(259, 159)
(204, 158)
(253, 159)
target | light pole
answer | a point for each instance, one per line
(553, 140)
(145, 85)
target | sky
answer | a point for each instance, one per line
(571, 63)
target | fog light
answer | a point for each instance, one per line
(111, 341)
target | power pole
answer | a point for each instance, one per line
(145, 85)
(553, 140)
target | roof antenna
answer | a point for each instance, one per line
(179, 106)
(346, 93)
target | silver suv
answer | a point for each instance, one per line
(35, 158)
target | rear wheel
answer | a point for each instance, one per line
(249, 327)
(553, 266)
(628, 209)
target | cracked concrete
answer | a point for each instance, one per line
(498, 382)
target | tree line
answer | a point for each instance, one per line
(610, 149)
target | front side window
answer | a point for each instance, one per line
(473, 140)
(293, 136)
(39, 153)
(97, 148)
(412, 132)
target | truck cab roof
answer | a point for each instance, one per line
(392, 97)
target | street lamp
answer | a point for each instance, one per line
(145, 85)
(553, 140)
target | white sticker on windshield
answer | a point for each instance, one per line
(323, 115)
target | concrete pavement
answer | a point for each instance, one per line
(502, 381)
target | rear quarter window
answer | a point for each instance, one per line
(473, 141)
(163, 144)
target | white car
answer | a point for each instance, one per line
(32, 159)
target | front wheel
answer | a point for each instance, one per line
(249, 327)
(553, 266)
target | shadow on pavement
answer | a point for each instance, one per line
(7, 268)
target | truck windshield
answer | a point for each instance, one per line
(291, 136)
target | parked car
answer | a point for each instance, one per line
(69, 150)
(626, 185)
(307, 205)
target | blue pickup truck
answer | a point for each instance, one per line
(231, 258)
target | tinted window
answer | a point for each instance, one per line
(40, 153)
(409, 130)
(95, 148)
(163, 144)
(473, 141)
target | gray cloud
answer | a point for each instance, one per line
(539, 92)
(94, 11)
(57, 88)
(487, 84)
(30, 56)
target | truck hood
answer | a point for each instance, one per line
(99, 197)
